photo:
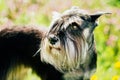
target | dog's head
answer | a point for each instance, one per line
(70, 40)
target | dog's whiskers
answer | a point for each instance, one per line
(37, 52)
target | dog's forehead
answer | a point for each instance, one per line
(74, 15)
(68, 17)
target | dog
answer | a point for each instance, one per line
(69, 44)
(66, 50)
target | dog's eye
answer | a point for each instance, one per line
(74, 27)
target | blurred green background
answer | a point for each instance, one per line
(107, 34)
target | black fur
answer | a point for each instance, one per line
(17, 46)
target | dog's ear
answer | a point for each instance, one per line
(95, 16)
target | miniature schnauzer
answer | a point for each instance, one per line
(68, 47)
(69, 44)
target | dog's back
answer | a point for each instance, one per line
(17, 47)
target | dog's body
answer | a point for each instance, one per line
(17, 48)
(68, 46)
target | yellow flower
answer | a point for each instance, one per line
(116, 77)
(93, 77)
(117, 64)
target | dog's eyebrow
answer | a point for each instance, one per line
(56, 26)
(53, 26)
(60, 24)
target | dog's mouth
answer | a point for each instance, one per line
(57, 48)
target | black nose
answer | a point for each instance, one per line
(53, 39)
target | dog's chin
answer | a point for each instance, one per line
(64, 57)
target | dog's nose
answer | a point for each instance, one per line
(53, 39)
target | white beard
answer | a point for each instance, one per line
(68, 58)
